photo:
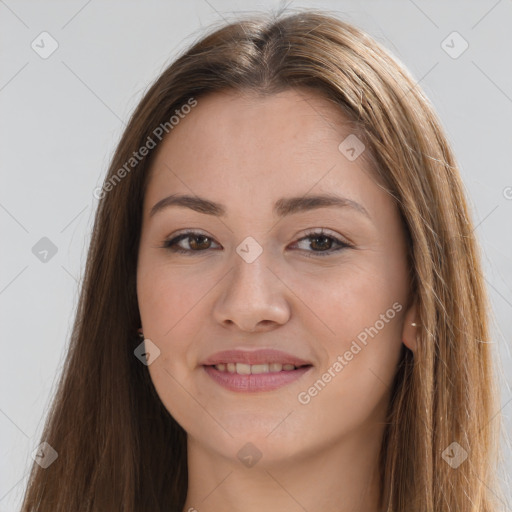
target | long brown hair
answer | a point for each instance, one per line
(118, 447)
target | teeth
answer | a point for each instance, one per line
(259, 368)
(244, 369)
(247, 369)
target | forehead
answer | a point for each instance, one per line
(277, 121)
(245, 129)
(240, 146)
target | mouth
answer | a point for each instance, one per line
(256, 369)
(263, 360)
(244, 371)
(251, 378)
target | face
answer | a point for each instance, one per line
(324, 283)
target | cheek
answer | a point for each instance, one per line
(172, 303)
(361, 310)
(347, 298)
(176, 392)
(168, 300)
(350, 392)
(167, 295)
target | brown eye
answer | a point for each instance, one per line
(322, 244)
(197, 242)
(319, 243)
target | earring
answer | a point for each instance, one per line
(140, 334)
(414, 324)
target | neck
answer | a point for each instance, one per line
(342, 477)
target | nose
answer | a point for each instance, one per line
(252, 297)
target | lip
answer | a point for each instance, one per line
(255, 382)
(260, 356)
(259, 381)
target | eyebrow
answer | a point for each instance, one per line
(282, 207)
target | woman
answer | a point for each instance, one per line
(283, 306)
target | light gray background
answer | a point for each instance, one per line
(61, 118)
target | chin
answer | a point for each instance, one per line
(267, 434)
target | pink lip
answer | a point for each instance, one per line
(261, 356)
(260, 381)
(256, 382)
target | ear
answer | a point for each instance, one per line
(409, 331)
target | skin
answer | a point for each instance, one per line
(247, 151)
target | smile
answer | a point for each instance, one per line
(245, 378)
(251, 369)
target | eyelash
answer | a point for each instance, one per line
(171, 244)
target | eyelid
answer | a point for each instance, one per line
(340, 241)
(326, 232)
(308, 232)
(185, 233)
